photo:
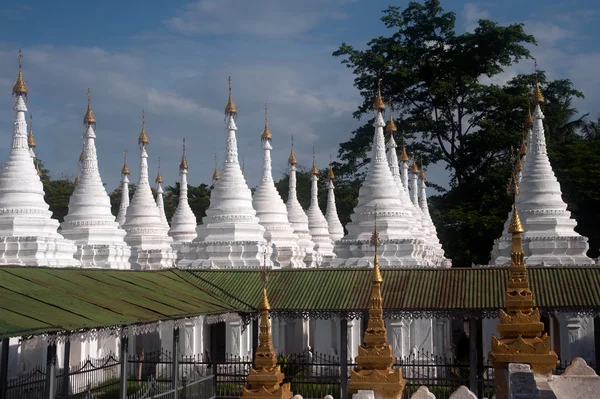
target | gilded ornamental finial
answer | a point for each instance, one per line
(378, 104)
(159, 178)
(243, 167)
(314, 171)
(414, 168)
(390, 126)
(266, 134)
(537, 98)
(422, 175)
(143, 139)
(523, 148)
(230, 108)
(292, 159)
(528, 122)
(183, 165)
(403, 155)
(37, 167)
(330, 174)
(125, 170)
(20, 88)
(216, 174)
(89, 117)
(30, 139)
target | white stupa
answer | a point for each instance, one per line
(272, 213)
(28, 234)
(124, 191)
(183, 222)
(439, 256)
(146, 233)
(549, 238)
(336, 230)
(159, 197)
(90, 222)
(298, 218)
(231, 235)
(317, 224)
(379, 196)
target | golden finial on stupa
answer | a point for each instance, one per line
(537, 97)
(523, 148)
(125, 170)
(518, 165)
(216, 174)
(266, 134)
(89, 118)
(330, 174)
(378, 104)
(414, 168)
(30, 139)
(76, 179)
(292, 159)
(528, 122)
(230, 108)
(422, 175)
(390, 126)
(37, 167)
(404, 155)
(143, 139)
(314, 171)
(82, 154)
(183, 164)
(20, 88)
(265, 379)
(159, 178)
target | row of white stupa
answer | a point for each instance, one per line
(240, 230)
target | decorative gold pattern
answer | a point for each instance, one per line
(266, 379)
(292, 159)
(266, 134)
(404, 155)
(125, 170)
(314, 170)
(330, 174)
(20, 88)
(528, 122)
(143, 139)
(375, 359)
(378, 103)
(230, 108)
(390, 126)
(89, 118)
(537, 97)
(183, 165)
(159, 178)
(216, 174)
(30, 139)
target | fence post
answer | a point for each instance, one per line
(50, 372)
(66, 366)
(123, 359)
(254, 336)
(214, 348)
(473, 353)
(175, 363)
(343, 358)
(4, 367)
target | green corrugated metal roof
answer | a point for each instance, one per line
(427, 291)
(36, 300)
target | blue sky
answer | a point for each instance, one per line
(172, 59)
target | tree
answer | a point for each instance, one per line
(115, 198)
(591, 129)
(198, 198)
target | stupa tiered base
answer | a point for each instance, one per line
(104, 256)
(37, 251)
(236, 255)
(547, 251)
(150, 252)
(394, 253)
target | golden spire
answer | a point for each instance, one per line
(292, 159)
(266, 134)
(523, 148)
(216, 174)
(422, 175)
(265, 379)
(330, 174)
(76, 178)
(20, 88)
(30, 139)
(82, 155)
(414, 168)
(89, 118)
(37, 167)
(528, 122)
(378, 104)
(537, 97)
(314, 170)
(159, 178)
(125, 170)
(230, 108)
(143, 139)
(390, 126)
(243, 167)
(403, 155)
(518, 164)
(183, 164)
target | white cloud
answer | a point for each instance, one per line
(473, 13)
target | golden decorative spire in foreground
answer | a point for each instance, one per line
(537, 97)
(522, 337)
(314, 170)
(266, 134)
(375, 359)
(159, 178)
(266, 379)
(390, 126)
(292, 159)
(125, 170)
(330, 174)
(216, 174)
(30, 139)
(89, 118)
(414, 168)
(230, 108)
(143, 139)
(183, 164)
(378, 104)
(20, 88)
(404, 155)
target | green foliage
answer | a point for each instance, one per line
(198, 198)
(115, 198)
